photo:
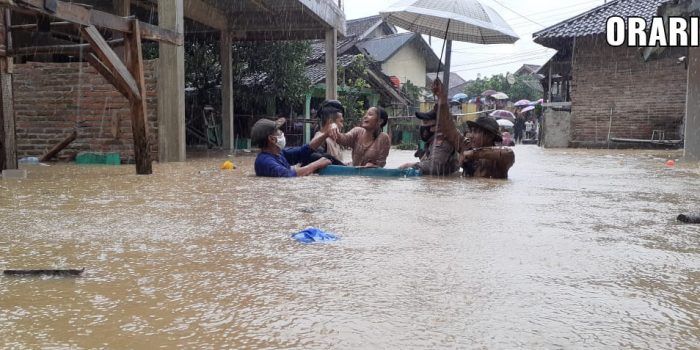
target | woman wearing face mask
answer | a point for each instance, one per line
(274, 160)
(370, 146)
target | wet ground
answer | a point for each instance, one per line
(578, 249)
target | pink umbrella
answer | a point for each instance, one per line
(502, 114)
(535, 103)
(528, 108)
(522, 103)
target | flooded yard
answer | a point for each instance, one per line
(578, 249)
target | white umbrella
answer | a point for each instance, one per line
(461, 20)
(505, 122)
(500, 96)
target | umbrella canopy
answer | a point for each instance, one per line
(522, 103)
(502, 114)
(488, 93)
(528, 108)
(460, 97)
(505, 123)
(500, 96)
(461, 20)
(535, 103)
(469, 20)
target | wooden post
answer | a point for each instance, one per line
(331, 64)
(691, 145)
(307, 118)
(121, 8)
(171, 85)
(8, 139)
(227, 91)
(139, 125)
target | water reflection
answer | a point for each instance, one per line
(578, 249)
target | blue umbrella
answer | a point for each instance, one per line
(460, 97)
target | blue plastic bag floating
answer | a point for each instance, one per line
(314, 235)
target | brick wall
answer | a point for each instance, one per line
(644, 96)
(51, 97)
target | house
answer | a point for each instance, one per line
(405, 57)
(612, 92)
(457, 84)
(127, 109)
(527, 70)
(686, 9)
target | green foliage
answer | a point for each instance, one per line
(354, 76)
(203, 71)
(412, 91)
(271, 70)
(517, 91)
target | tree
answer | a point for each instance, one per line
(519, 90)
(271, 70)
(354, 77)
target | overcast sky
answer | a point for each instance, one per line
(524, 16)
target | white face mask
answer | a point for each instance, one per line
(281, 141)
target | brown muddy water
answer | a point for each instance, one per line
(578, 249)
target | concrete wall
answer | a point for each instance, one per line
(51, 97)
(556, 128)
(616, 84)
(408, 64)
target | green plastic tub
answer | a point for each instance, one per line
(98, 158)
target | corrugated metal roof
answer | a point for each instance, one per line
(594, 21)
(381, 49)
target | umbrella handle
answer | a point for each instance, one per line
(444, 41)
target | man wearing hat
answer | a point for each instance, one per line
(440, 156)
(480, 157)
(274, 160)
(443, 140)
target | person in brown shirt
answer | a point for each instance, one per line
(480, 157)
(370, 146)
(443, 139)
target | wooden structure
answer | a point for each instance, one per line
(119, 59)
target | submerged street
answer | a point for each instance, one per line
(578, 249)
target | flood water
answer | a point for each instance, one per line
(578, 249)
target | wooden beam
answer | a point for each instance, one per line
(8, 138)
(57, 49)
(206, 14)
(171, 86)
(107, 74)
(59, 147)
(33, 26)
(139, 125)
(121, 74)
(331, 64)
(78, 14)
(8, 115)
(226, 62)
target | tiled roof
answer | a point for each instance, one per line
(455, 79)
(361, 25)
(593, 22)
(381, 49)
(318, 47)
(317, 71)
